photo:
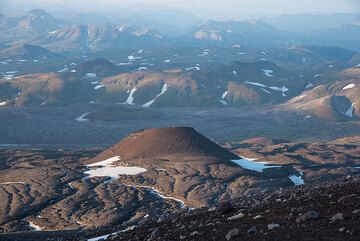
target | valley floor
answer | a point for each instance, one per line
(50, 127)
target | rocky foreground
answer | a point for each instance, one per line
(322, 211)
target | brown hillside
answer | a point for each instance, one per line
(165, 142)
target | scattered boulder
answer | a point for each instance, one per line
(337, 217)
(258, 217)
(232, 233)
(252, 231)
(224, 208)
(154, 234)
(272, 226)
(311, 215)
(237, 216)
(195, 233)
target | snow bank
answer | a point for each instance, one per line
(268, 72)
(107, 169)
(98, 87)
(349, 86)
(82, 117)
(90, 75)
(163, 90)
(130, 99)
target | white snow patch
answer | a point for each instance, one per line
(98, 87)
(142, 68)
(349, 86)
(318, 75)
(73, 71)
(255, 83)
(82, 117)
(34, 226)
(167, 61)
(223, 102)
(266, 91)
(251, 164)
(163, 90)
(130, 99)
(159, 194)
(127, 63)
(90, 75)
(107, 169)
(307, 117)
(282, 89)
(191, 68)
(234, 72)
(132, 57)
(7, 183)
(308, 85)
(224, 94)
(63, 70)
(297, 179)
(3, 103)
(268, 72)
(103, 237)
(203, 54)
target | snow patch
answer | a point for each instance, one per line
(90, 75)
(308, 85)
(127, 63)
(107, 168)
(163, 90)
(104, 237)
(130, 99)
(82, 117)
(268, 72)
(63, 70)
(7, 183)
(98, 87)
(224, 94)
(349, 86)
(191, 68)
(34, 227)
(266, 91)
(223, 102)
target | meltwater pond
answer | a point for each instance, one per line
(253, 165)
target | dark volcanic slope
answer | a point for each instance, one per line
(335, 203)
(335, 215)
(162, 142)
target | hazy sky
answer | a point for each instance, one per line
(206, 8)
